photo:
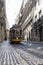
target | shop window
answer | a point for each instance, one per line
(29, 35)
(36, 32)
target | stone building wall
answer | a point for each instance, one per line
(38, 21)
(27, 18)
(2, 20)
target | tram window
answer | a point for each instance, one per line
(17, 32)
(20, 32)
(13, 31)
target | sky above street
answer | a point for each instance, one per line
(12, 10)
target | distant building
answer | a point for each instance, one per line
(2, 20)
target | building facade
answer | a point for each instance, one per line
(31, 19)
(37, 29)
(26, 18)
(7, 28)
(2, 20)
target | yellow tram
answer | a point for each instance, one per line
(16, 34)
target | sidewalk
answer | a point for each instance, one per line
(33, 42)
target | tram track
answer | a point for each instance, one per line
(27, 60)
(33, 59)
(29, 51)
(18, 57)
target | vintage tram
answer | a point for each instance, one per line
(16, 34)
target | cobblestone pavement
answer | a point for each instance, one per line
(17, 54)
(34, 48)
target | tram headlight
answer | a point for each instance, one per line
(17, 38)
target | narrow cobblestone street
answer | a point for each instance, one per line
(16, 54)
(21, 32)
(9, 56)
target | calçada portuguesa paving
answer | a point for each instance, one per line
(17, 54)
